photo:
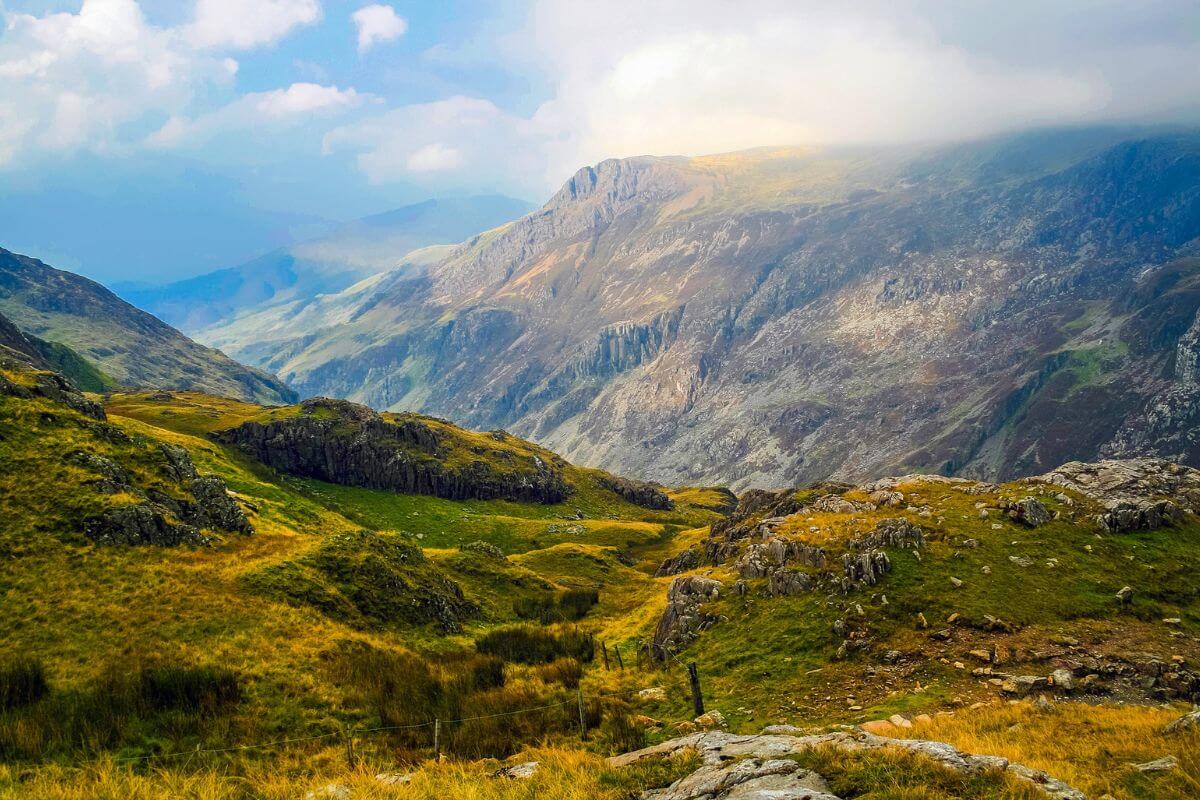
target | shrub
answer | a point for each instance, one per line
(526, 644)
(619, 731)
(508, 717)
(22, 683)
(487, 672)
(120, 708)
(566, 671)
(197, 690)
(571, 605)
(576, 603)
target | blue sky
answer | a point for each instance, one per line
(155, 139)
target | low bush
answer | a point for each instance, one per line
(22, 683)
(619, 731)
(197, 690)
(121, 708)
(505, 719)
(527, 644)
(565, 671)
(569, 606)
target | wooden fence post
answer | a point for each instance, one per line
(604, 652)
(620, 663)
(437, 739)
(697, 698)
(582, 718)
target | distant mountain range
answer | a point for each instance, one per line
(777, 316)
(69, 323)
(345, 256)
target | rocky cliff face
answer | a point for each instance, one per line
(772, 318)
(349, 444)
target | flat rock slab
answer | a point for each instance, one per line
(755, 765)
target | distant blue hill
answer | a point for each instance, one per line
(330, 263)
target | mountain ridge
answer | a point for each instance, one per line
(752, 318)
(129, 345)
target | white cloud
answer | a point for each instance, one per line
(248, 23)
(377, 23)
(104, 77)
(304, 98)
(77, 80)
(435, 157)
(463, 135)
(299, 103)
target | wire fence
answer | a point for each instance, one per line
(350, 733)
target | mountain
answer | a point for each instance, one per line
(129, 346)
(330, 263)
(779, 316)
(53, 357)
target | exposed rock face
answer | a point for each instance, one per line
(350, 444)
(692, 321)
(50, 385)
(1029, 511)
(687, 560)
(684, 618)
(738, 766)
(641, 494)
(1138, 494)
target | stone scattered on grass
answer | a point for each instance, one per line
(521, 771)
(1164, 764)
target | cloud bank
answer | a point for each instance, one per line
(703, 76)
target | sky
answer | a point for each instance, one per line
(148, 140)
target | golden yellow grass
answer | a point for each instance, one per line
(563, 775)
(1090, 747)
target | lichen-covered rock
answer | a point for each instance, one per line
(1188, 722)
(140, 524)
(1029, 511)
(214, 507)
(687, 560)
(865, 567)
(1137, 493)
(789, 583)
(683, 618)
(646, 495)
(731, 760)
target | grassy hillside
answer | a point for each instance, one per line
(374, 611)
(315, 590)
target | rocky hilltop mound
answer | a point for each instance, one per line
(66, 470)
(1074, 583)
(346, 443)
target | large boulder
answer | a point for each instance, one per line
(683, 618)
